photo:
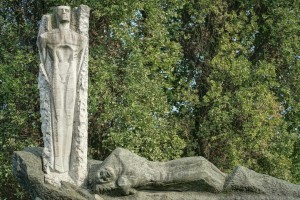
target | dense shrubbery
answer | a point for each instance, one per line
(167, 79)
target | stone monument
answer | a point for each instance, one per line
(123, 175)
(127, 173)
(63, 81)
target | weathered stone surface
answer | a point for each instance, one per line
(244, 179)
(127, 171)
(171, 195)
(241, 184)
(27, 167)
(63, 82)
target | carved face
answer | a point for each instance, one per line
(106, 179)
(63, 13)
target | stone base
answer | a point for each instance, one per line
(154, 195)
(27, 167)
(56, 178)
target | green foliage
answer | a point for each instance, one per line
(19, 104)
(131, 82)
(236, 52)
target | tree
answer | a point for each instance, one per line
(229, 50)
(129, 106)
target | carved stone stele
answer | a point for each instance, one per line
(63, 83)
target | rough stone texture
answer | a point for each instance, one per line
(63, 84)
(244, 179)
(27, 167)
(163, 195)
(127, 171)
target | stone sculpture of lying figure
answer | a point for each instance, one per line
(127, 171)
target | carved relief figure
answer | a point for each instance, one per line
(63, 54)
(64, 47)
(128, 171)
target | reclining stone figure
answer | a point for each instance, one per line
(128, 172)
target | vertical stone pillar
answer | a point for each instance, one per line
(63, 84)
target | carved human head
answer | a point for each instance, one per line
(105, 179)
(63, 14)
